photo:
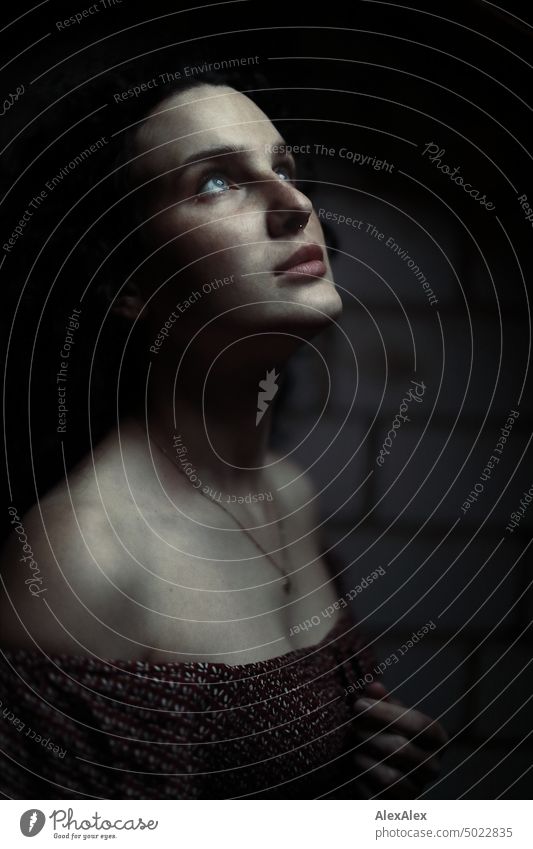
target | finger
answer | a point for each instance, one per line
(407, 721)
(385, 778)
(377, 690)
(394, 701)
(400, 751)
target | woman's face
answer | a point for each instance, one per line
(225, 200)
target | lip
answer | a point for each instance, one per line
(307, 261)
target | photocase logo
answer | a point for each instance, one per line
(267, 389)
(31, 822)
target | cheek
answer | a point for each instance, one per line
(214, 239)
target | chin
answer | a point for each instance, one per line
(317, 302)
(299, 311)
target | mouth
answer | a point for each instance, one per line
(308, 261)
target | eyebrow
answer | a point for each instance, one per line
(224, 150)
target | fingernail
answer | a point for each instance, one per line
(363, 702)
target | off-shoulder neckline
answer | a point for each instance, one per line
(65, 658)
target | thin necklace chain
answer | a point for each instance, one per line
(286, 578)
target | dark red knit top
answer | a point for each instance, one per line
(80, 727)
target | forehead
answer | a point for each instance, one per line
(198, 118)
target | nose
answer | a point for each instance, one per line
(288, 209)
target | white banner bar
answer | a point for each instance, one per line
(266, 824)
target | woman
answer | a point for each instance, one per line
(159, 646)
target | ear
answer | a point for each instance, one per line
(129, 302)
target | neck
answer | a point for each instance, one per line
(202, 411)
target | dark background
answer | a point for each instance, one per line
(385, 81)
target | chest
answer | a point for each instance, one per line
(220, 596)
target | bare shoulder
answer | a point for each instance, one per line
(59, 563)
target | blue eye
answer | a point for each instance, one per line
(215, 184)
(288, 176)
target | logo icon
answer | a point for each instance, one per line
(31, 822)
(269, 388)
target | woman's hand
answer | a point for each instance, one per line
(393, 767)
